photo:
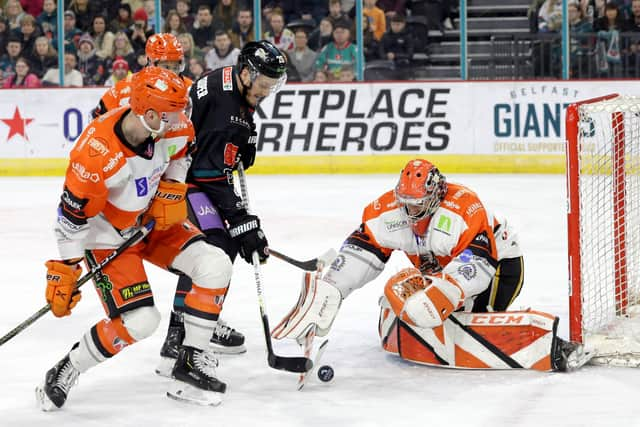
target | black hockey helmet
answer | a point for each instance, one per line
(264, 58)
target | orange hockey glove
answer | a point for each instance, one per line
(169, 206)
(61, 287)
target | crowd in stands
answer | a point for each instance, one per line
(605, 37)
(104, 40)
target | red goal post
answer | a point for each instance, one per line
(603, 221)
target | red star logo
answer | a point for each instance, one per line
(17, 125)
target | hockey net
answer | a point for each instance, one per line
(603, 186)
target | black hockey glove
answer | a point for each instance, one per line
(248, 155)
(250, 237)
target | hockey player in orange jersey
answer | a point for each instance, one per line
(121, 172)
(162, 50)
(449, 308)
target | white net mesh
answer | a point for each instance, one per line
(609, 185)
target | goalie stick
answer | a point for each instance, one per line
(311, 265)
(137, 236)
(284, 363)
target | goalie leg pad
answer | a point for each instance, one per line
(499, 340)
(318, 305)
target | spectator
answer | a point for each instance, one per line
(8, 60)
(634, 22)
(123, 21)
(307, 10)
(223, 52)
(339, 53)
(203, 32)
(140, 30)
(346, 74)
(280, 36)
(121, 49)
(183, 8)
(267, 10)
(22, 78)
(302, 58)
(48, 19)
(196, 69)
(370, 46)
(5, 33)
(579, 47)
(32, 7)
(28, 32)
(190, 49)
(44, 56)
(72, 77)
(89, 64)
(322, 35)
(102, 38)
(320, 77)
(71, 33)
(83, 13)
(377, 20)
(392, 8)
(149, 7)
(173, 24)
(397, 43)
(242, 31)
(335, 11)
(550, 16)
(119, 71)
(140, 62)
(224, 14)
(14, 13)
(608, 28)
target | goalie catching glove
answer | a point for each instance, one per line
(317, 305)
(62, 293)
(169, 205)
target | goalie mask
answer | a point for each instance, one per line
(419, 192)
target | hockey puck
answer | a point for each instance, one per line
(325, 373)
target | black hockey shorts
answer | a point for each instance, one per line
(505, 287)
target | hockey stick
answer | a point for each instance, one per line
(284, 363)
(138, 235)
(310, 265)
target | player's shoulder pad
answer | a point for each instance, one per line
(382, 204)
(462, 201)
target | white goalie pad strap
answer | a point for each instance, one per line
(317, 305)
(353, 268)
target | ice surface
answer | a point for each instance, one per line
(302, 217)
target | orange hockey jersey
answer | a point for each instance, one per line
(462, 240)
(109, 183)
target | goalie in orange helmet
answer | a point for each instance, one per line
(122, 171)
(449, 308)
(162, 50)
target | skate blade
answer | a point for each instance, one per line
(42, 400)
(165, 367)
(217, 348)
(190, 394)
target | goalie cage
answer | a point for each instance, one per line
(603, 184)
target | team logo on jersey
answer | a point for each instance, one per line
(142, 186)
(227, 81)
(230, 154)
(468, 271)
(97, 148)
(443, 224)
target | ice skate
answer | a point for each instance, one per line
(195, 378)
(169, 350)
(567, 356)
(227, 340)
(53, 393)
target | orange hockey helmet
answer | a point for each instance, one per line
(154, 88)
(165, 47)
(420, 190)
